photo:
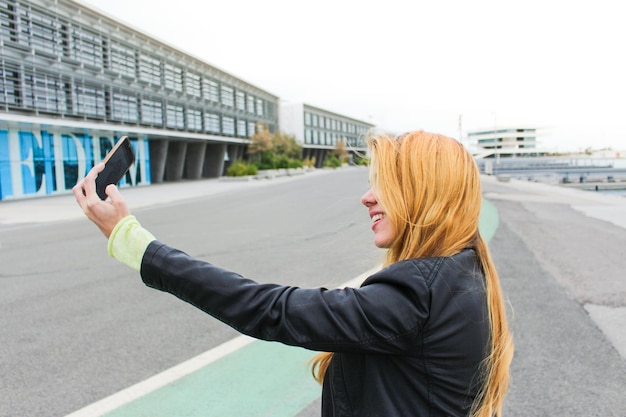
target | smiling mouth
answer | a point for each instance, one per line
(377, 217)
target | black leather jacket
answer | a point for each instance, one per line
(408, 343)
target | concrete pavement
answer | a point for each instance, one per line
(560, 253)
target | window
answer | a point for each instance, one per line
(9, 83)
(307, 119)
(39, 31)
(241, 128)
(149, 69)
(251, 128)
(259, 107)
(227, 96)
(151, 112)
(175, 116)
(192, 84)
(173, 78)
(124, 107)
(194, 119)
(228, 125)
(314, 120)
(86, 47)
(123, 60)
(89, 101)
(212, 122)
(210, 90)
(44, 92)
(240, 100)
(7, 21)
(250, 104)
(308, 136)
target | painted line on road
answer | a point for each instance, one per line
(185, 369)
(136, 400)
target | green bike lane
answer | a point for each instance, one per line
(242, 378)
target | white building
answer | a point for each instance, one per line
(505, 141)
(319, 130)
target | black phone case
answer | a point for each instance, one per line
(116, 164)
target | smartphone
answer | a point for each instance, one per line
(116, 164)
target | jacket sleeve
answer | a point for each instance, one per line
(383, 316)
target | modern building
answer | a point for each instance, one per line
(320, 130)
(73, 80)
(505, 142)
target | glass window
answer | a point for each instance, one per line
(240, 100)
(210, 90)
(9, 82)
(250, 104)
(123, 59)
(149, 69)
(7, 21)
(241, 128)
(44, 92)
(307, 119)
(175, 116)
(251, 129)
(228, 125)
(227, 96)
(192, 84)
(89, 101)
(212, 122)
(194, 119)
(39, 31)
(124, 107)
(315, 120)
(259, 107)
(173, 78)
(151, 112)
(86, 47)
(308, 136)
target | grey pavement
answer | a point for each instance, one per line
(561, 257)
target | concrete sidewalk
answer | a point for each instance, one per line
(561, 256)
(64, 207)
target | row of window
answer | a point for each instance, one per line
(42, 31)
(317, 137)
(329, 123)
(53, 94)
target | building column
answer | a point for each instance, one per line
(195, 160)
(158, 156)
(214, 160)
(175, 165)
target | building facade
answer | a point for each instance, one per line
(319, 130)
(504, 141)
(73, 80)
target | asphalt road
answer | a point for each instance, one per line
(77, 326)
(553, 260)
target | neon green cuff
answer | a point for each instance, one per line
(129, 241)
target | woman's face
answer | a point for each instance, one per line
(382, 227)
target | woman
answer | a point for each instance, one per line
(425, 336)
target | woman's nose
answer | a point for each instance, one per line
(368, 198)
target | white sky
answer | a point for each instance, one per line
(415, 64)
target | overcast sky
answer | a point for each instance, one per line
(407, 65)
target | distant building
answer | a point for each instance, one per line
(73, 80)
(319, 130)
(505, 142)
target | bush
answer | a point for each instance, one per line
(295, 163)
(240, 169)
(332, 161)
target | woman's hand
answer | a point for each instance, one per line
(105, 214)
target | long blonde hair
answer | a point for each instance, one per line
(429, 186)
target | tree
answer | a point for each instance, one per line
(341, 151)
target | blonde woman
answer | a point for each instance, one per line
(425, 336)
